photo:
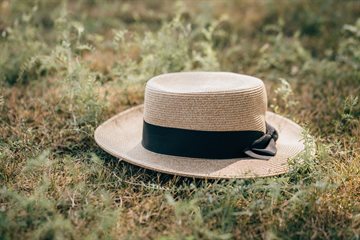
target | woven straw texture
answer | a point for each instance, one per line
(209, 101)
(121, 137)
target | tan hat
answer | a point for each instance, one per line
(205, 125)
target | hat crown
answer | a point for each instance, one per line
(206, 101)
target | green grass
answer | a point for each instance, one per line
(67, 66)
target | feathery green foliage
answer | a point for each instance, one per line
(65, 66)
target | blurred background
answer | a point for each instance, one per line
(309, 44)
(66, 66)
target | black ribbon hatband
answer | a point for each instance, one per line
(210, 144)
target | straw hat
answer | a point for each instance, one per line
(205, 125)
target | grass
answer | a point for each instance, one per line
(67, 66)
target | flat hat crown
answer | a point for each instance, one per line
(207, 101)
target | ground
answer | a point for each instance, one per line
(66, 66)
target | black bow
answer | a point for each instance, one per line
(265, 146)
(209, 144)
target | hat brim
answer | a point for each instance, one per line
(121, 137)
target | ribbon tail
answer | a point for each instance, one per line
(263, 153)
